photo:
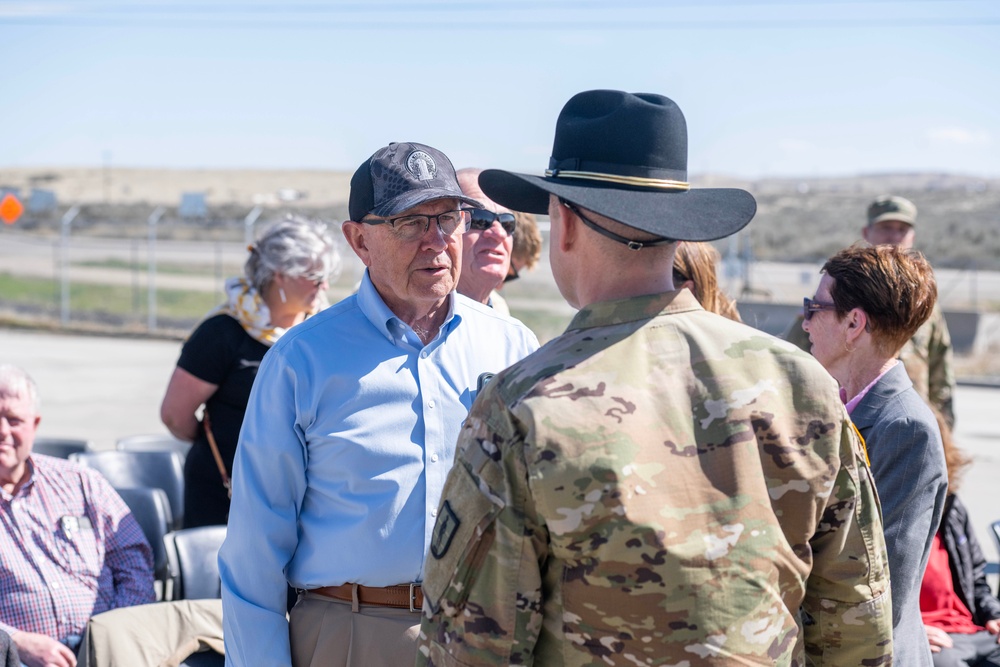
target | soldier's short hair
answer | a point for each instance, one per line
(894, 287)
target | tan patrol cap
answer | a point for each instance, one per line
(888, 207)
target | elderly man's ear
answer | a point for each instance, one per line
(354, 232)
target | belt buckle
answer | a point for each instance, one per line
(413, 596)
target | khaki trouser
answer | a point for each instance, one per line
(326, 633)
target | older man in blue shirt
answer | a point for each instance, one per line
(351, 430)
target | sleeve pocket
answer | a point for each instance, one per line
(462, 535)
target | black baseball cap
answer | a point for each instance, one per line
(400, 176)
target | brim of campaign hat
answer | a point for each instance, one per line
(704, 214)
(413, 198)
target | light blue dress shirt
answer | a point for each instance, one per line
(348, 438)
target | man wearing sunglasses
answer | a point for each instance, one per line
(351, 430)
(486, 247)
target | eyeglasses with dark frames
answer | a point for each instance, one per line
(483, 219)
(811, 307)
(412, 227)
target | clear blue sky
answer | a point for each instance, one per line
(768, 88)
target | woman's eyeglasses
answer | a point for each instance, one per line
(809, 307)
(483, 220)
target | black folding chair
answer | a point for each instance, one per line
(192, 556)
(161, 470)
(151, 508)
(61, 448)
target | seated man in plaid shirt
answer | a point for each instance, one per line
(69, 549)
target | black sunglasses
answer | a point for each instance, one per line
(483, 220)
(809, 307)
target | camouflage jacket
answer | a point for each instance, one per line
(927, 358)
(658, 486)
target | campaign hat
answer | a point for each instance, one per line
(624, 156)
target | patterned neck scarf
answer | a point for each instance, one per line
(245, 305)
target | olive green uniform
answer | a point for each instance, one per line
(658, 486)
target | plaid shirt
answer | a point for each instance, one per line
(70, 549)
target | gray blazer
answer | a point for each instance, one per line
(904, 445)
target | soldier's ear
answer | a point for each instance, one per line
(569, 226)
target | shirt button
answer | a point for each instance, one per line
(430, 404)
(434, 458)
(434, 513)
(55, 585)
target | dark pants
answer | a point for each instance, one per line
(976, 650)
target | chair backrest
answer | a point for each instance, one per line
(153, 442)
(151, 509)
(995, 528)
(162, 470)
(193, 555)
(61, 447)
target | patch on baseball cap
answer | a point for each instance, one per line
(400, 176)
(888, 207)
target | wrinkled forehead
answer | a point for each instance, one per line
(825, 288)
(431, 207)
(22, 401)
(891, 224)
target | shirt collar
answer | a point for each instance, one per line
(388, 323)
(30, 472)
(853, 403)
(634, 309)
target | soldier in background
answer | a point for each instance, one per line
(928, 356)
(659, 485)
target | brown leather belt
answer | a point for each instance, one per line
(404, 596)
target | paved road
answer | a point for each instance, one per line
(104, 388)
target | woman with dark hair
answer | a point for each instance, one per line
(869, 303)
(961, 615)
(285, 282)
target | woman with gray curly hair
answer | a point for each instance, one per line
(285, 281)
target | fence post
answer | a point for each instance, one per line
(154, 218)
(248, 223)
(67, 220)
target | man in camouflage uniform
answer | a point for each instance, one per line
(659, 485)
(928, 356)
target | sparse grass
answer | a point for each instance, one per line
(116, 301)
(162, 267)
